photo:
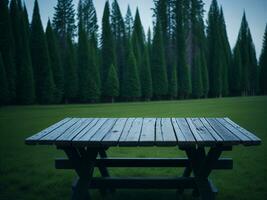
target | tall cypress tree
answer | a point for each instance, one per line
(128, 22)
(214, 51)
(197, 87)
(173, 87)
(56, 64)
(112, 84)
(132, 89)
(25, 81)
(184, 81)
(70, 73)
(146, 77)
(3, 83)
(108, 51)
(235, 71)
(263, 65)
(40, 60)
(120, 41)
(159, 74)
(64, 21)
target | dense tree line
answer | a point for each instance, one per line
(72, 61)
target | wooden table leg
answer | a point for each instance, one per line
(202, 165)
(83, 161)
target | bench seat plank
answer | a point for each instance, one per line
(147, 136)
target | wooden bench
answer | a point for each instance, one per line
(86, 140)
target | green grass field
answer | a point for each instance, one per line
(27, 172)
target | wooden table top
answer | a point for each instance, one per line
(184, 132)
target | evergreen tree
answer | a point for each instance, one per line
(132, 82)
(3, 83)
(64, 20)
(204, 74)
(40, 60)
(128, 22)
(56, 64)
(25, 80)
(112, 84)
(249, 75)
(159, 74)
(263, 65)
(119, 35)
(197, 88)
(70, 73)
(184, 81)
(235, 77)
(146, 77)
(108, 51)
(214, 51)
(173, 87)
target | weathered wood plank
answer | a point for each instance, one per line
(244, 139)
(181, 140)
(100, 134)
(168, 133)
(158, 131)
(125, 131)
(53, 135)
(203, 132)
(112, 137)
(214, 134)
(244, 131)
(34, 139)
(194, 131)
(184, 127)
(227, 136)
(147, 136)
(66, 137)
(134, 132)
(87, 136)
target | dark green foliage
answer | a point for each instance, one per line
(235, 71)
(173, 87)
(263, 65)
(128, 22)
(204, 74)
(249, 71)
(25, 80)
(44, 83)
(214, 50)
(3, 83)
(120, 40)
(108, 51)
(184, 81)
(64, 20)
(112, 87)
(197, 88)
(56, 64)
(132, 89)
(158, 66)
(7, 46)
(146, 77)
(70, 73)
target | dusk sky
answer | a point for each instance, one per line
(256, 12)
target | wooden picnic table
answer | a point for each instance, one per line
(86, 140)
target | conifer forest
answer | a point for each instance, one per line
(73, 60)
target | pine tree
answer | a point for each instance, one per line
(235, 72)
(56, 64)
(146, 77)
(159, 74)
(25, 80)
(3, 83)
(184, 81)
(214, 51)
(204, 74)
(197, 88)
(108, 51)
(263, 65)
(119, 35)
(70, 73)
(173, 87)
(64, 20)
(40, 60)
(112, 83)
(128, 22)
(132, 82)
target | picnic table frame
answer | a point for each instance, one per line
(203, 155)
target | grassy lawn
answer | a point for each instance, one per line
(27, 172)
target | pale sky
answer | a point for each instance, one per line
(256, 12)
